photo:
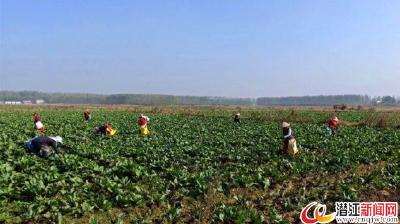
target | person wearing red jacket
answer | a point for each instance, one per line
(106, 129)
(142, 121)
(333, 125)
(37, 120)
(36, 117)
(87, 115)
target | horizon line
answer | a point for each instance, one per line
(161, 94)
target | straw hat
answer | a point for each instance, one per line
(238, 114)
(57, 139)
(285, 125)
(335, 118)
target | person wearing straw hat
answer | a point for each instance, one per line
(43, 145)
(287, 136)
(37, 120)
(106, 129)
(333, 125)
(236, 119)
(142, 121)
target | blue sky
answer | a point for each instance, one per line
(236, 48)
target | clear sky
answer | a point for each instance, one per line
(239, 48)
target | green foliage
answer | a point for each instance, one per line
(185, 157)
(235, 214)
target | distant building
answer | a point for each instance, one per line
(27, 102)
(13, 102)
(40, 101)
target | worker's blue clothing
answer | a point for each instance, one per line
(41, 145)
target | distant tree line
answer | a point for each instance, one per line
(138, 99)
(148, 99)
(315, 100)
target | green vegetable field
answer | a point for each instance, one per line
(194, 168)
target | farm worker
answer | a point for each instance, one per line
(106, 129)
(333, 125)
(37, 120)
(236, 119)
(43, 145)
(143, 120)
(289, 142)
(87, 115)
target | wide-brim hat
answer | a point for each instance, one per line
(285, 125)
(57, 139)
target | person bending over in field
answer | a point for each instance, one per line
(289, 142)
(106, 129)
(87, 115)
(333, 125)
(43, 146)
(142, 121)
(236, 119)
(37, 121)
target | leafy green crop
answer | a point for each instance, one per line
(191, 169)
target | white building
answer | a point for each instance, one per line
(40, 101)
(13, 102)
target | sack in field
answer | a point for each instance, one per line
(292, 147)
(39, 125)
(111, 132)
(144, 131)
